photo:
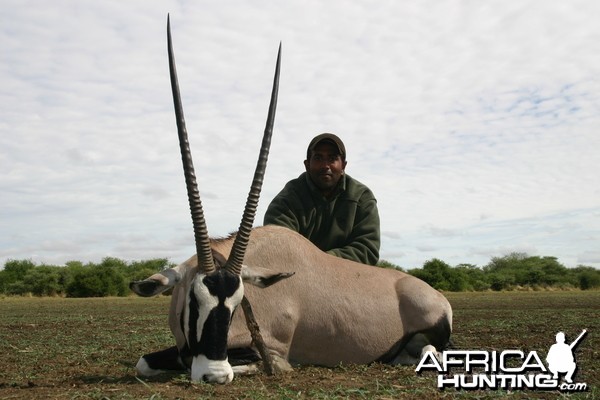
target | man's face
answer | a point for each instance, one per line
(325, 167)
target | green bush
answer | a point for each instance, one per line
(44, 281)
(501, 281)
(97, 281)
(441, 276)
(14, 271)
(587, 277)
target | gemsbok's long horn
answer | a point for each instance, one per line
(236, 257)
(203, 251)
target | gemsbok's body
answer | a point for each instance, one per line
(312, 308)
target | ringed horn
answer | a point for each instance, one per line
(203, 250)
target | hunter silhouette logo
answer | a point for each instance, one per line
(560, 357)
(508, 369)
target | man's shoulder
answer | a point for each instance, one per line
(296, 185)
(357, 189)
(295, 191)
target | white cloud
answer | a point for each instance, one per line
(475, 124)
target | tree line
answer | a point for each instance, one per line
(111, 276)
(510, 272)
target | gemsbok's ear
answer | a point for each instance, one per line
(156, 284)
(262, 277)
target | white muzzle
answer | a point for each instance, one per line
(211, 370)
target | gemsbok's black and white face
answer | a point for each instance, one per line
(217, 289)
(210, 304)
(203, 317)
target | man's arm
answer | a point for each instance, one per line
(364, 242)
(280, 213)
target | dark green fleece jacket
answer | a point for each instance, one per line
(347, 225)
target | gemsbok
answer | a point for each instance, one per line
(312, 308)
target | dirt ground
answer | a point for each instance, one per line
(87, 348)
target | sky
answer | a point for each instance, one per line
(475, 123)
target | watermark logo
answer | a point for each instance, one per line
(508, 369)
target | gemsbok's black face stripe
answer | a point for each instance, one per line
(221, 285)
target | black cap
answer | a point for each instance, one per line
(329, 137)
